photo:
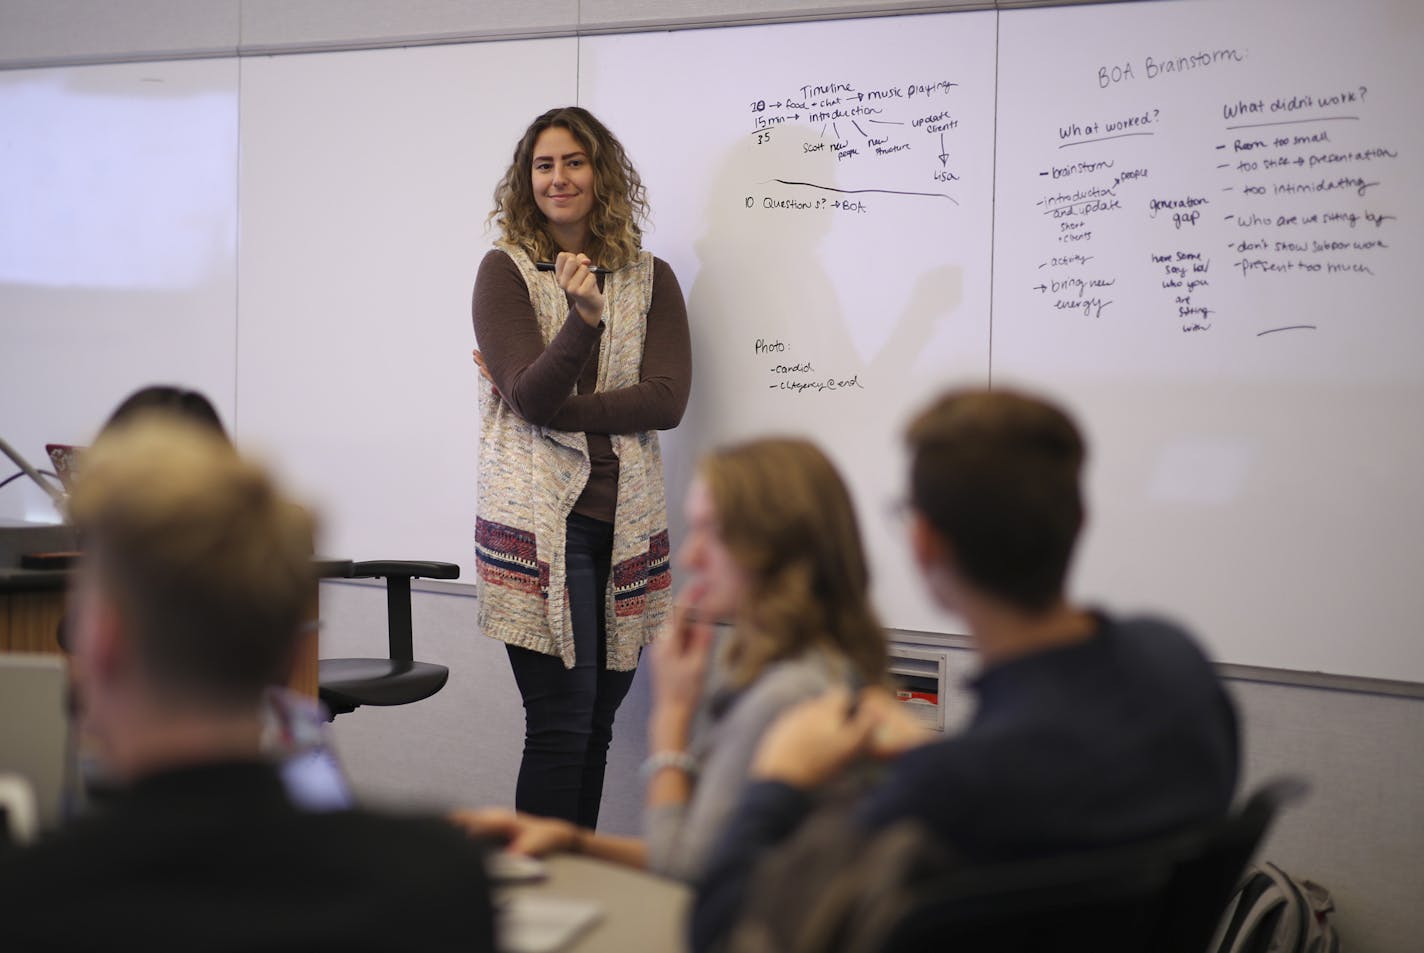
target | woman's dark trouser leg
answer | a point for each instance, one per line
(611, 688)
(569, 712)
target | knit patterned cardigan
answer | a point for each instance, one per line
(530, 477)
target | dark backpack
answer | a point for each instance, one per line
(1272, 912)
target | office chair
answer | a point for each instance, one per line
(344, 684)
(1163, 896)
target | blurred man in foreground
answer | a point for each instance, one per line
(189, 604)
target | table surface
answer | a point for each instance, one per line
(641, 912)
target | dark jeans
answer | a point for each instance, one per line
(568, 713)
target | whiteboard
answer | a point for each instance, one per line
(118, 247)
(1254, 446)
(824, 193)
(365, 180)
(1208, 229)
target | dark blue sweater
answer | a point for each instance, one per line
(1125, 736)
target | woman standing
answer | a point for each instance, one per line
(583, 336)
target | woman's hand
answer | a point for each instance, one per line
(574, 273)
(814, 741)
(679, 665)
(522, 833)
(484, 371)
(896, 729)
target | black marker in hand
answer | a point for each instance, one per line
(596, 269)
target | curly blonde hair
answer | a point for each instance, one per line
(620, 201)
(787, 519)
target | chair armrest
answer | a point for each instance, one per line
(328, 568)
(407, 568)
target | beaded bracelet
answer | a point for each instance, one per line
(662, 760)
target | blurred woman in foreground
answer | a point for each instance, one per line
(772, 550)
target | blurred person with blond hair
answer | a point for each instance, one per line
(188, 604)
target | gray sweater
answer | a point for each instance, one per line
(726, 731)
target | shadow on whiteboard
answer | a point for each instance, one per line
(824, 323)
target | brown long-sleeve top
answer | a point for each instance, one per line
(538, 382)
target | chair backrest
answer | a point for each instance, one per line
(1101, 902)
(1163, 896)
(1207, 871)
